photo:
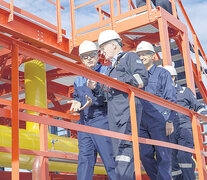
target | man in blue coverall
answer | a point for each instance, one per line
(125, 67)
(157, 121)
(93, 112)
(183, 166)
(162, 3)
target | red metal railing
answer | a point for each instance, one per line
(19, 47)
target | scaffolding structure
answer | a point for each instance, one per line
(24, 39)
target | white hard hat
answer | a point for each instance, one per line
(171, 69)
(107, 35)
(87, 46)
(145, 46)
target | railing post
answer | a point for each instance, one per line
(129, 4)
(72, 15)
(195, 42)
(112, 13)
(15, 113)
(43, 130)
(187, 61)
(164, 40)
(174, 11)
(191, 28)
(59, 38)
(198, 148)
(11, 15)
(118, 7)
(135, 140)
(149, 9)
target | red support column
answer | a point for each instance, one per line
(15, 113)
(137, 165)
(164, 40)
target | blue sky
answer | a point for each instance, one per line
(196, 10)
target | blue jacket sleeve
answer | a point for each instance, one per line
(169, 92)
(135, 71)
(194, 103)
(75, 93)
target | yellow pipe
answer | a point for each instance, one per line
(30, 140)
(35, 88)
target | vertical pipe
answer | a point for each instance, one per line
(36, 95)
(164, 40)
(15, 113)
(135, 140)
(112, 13)
(198, 148)
(195, 42)
(35, 89)
(59, 38)
(187, 61)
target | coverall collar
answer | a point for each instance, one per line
(115, 58)
(97, 66)
(152, 69)
(178, 87)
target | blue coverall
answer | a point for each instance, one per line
(90, 144)
(183, 166)
(162, 3)
(153, 125)
(128, 68)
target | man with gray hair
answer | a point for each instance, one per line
(125, 67)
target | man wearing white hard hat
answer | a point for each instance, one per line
(93, 112)
(125, 67)
(157, 121)
(183, 166)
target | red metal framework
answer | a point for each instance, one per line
(37, 42)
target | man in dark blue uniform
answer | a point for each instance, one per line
(125, 67)
(162, 3)
(157, 121)
(183, 166)
(93, 112)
